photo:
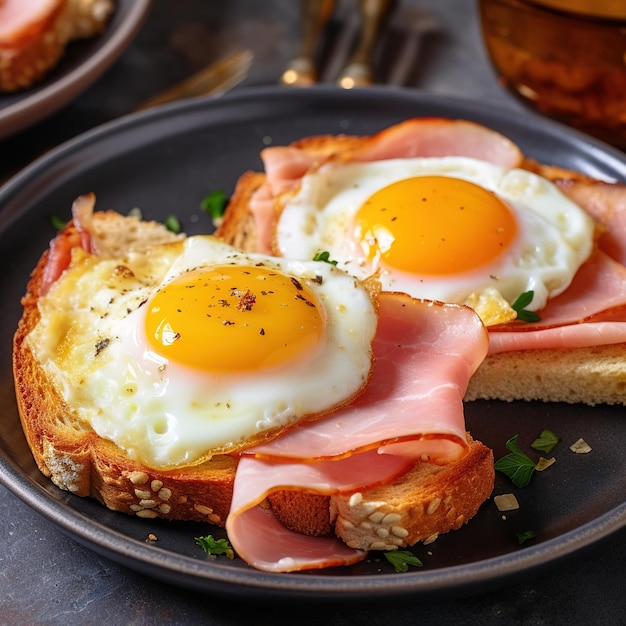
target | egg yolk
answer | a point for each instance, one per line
(235, 319)
(434, 225)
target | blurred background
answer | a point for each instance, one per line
(563, 58)
(426, 44)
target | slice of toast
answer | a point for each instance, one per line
(429, 499)
(589, 375)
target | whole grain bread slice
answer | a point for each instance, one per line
(427, 500)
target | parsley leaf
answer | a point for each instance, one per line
(401, 559)
(215, 203)
(522, 538)
(57, 222)
(214, 546)
(520, 304)
(324, 256)
(516, 466)
(172, 223)
(546, 441)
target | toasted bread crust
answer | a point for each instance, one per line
(78, 460)
(238, 227)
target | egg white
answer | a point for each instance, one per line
(555, 236)
(91, 341)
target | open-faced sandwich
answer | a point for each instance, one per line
(450, 210)
(312, 415)
(298, 377)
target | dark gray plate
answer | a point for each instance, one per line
(82, 64)
(165, 161)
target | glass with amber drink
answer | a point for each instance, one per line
(565, 58)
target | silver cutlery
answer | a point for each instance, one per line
(301, 70)
(359, 71)
(217, 78)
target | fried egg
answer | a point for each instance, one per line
(190, 349)
(453, 229)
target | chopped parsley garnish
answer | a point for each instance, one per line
(517, 466)
(520, 304)
(57, 222)
(401, 559)
(325, 257)
(522, 538)
(172, 223)
(545, 442)
(215, 547)
(215, 203)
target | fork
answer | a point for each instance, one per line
(300, 71)
(216, 79)
(359, 71)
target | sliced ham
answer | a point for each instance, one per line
(598, 289)
(82, 216)
(263, 209)
(606, 203)
(59, 256)
(420, 376)
(60, 252)
(581, 335)
(285, 166)
(436, 137)
(264, 543)
(25, 19)
(420, 137)
(591, 312)
(425, 354)
(260, 540)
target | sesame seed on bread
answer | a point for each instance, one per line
(427, 501)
